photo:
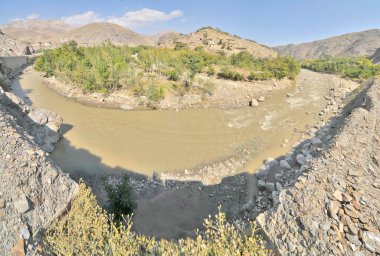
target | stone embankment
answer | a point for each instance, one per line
(323, 198)
(33, 190)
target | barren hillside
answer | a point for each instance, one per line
(215, 40)
(12, 47)
(352, 44)
(100, 32)
(376, 56)
(36, 31)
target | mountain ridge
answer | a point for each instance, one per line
(348, 45)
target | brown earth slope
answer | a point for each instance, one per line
(36, 31)
(352, 44)
(215, 40)
(100, 32)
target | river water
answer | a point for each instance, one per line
(150, 141)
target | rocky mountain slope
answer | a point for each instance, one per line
(35, 31)
(352, 44)
(215, 40)
(376, 56)
(332, 207)
(12, 47)
(100, 32)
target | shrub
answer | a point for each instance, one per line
(87, 228)
(354, 68)
(211, 71)
(118, 193)
(229, 74)
(180, 46)
(155, 93)
(172, 75)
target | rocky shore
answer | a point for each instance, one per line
(33, 190)
(322, 198)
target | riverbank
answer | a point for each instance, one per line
(326, 199)
(33, 190)
(226, 94)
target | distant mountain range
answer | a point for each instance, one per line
(352, 44)
(52, 33)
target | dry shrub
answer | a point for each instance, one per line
(86, 229)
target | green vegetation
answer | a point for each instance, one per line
(154, 72)
(354, 68)
(119, 197)
(87, 228)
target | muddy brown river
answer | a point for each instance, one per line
(165, 140)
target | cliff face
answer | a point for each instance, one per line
(33, 190)
(333, 206)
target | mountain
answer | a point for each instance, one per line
(215, 40)
(376, 56)
(100, 32)
(12, 47)
(36, 31)
(352, 44)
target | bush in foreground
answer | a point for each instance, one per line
(86, 229)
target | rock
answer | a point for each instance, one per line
(333, 208)
(25, 233)
(19, 248)
(38, 116)
(284, 164)
(260, 184)
(316, 142)
(270, 162)
(275, 198)
(352, 229)
(353, 239)
(346, 197)
(351, 211)
(21, 203)
(253, 103)
(371, 241)
(300, 158)
(126, 107)
(2, 203)
(338, 195)
(269, 186)
(278, 186)
(325, 225)
(261, 99)
(309, 157)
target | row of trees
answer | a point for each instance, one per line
(107, 67)
(350, 67)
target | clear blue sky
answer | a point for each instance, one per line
(271, 22)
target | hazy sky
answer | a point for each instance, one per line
(271, 22)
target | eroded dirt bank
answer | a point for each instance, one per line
(326, 199)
